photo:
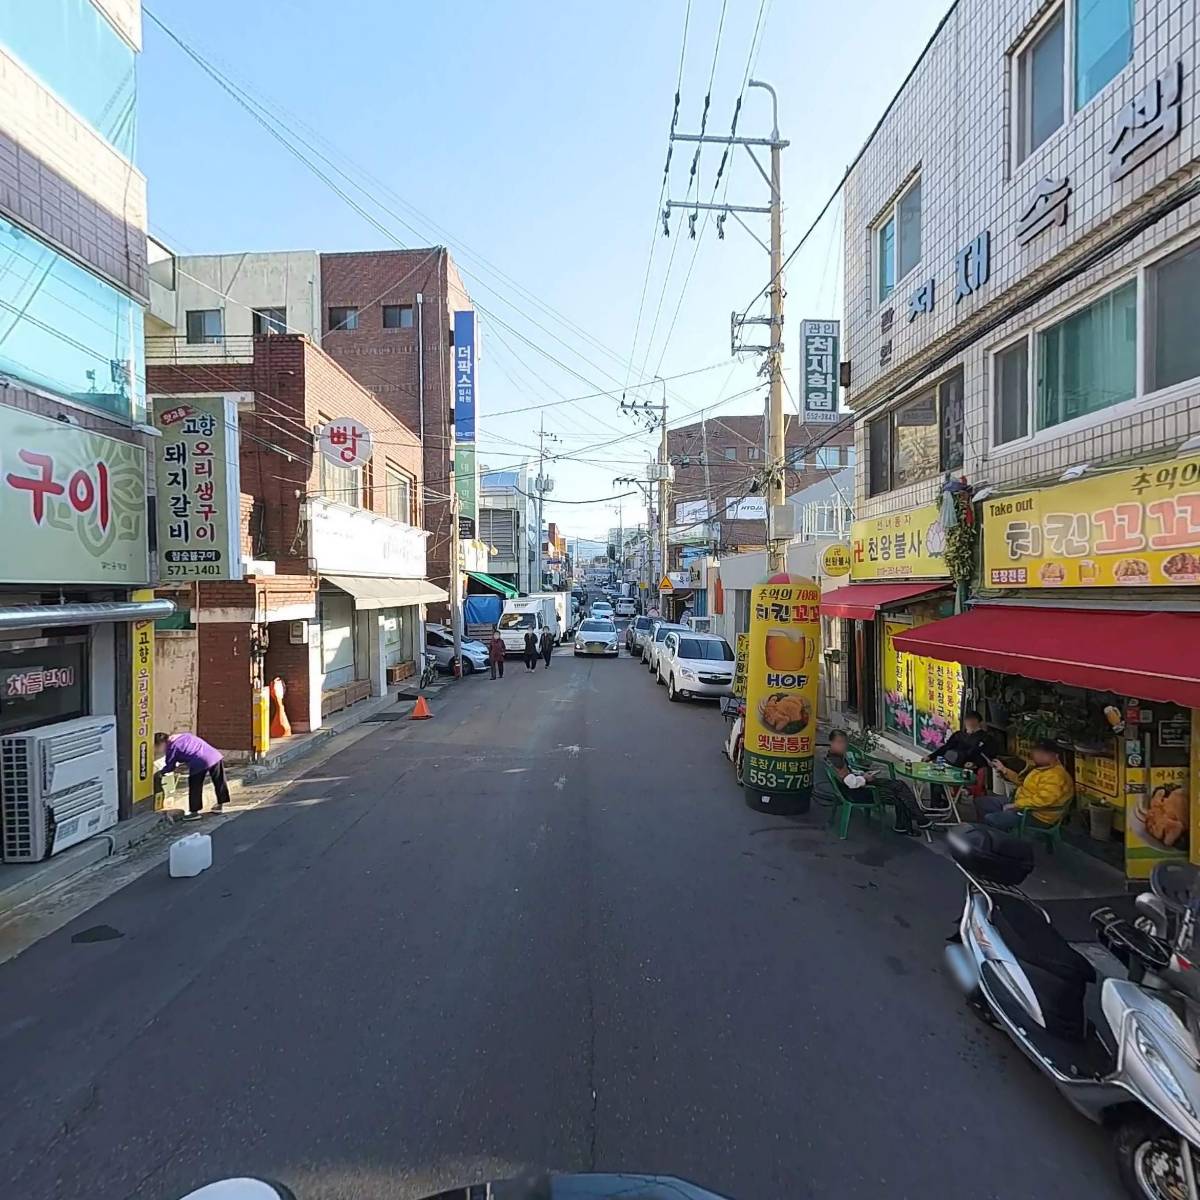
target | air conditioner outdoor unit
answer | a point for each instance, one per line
(58, 785)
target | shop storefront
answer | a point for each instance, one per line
(1087, 631)
(71, 623)
(898, 582)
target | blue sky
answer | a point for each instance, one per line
(533, 135)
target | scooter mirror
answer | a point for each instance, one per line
(1151, 914)
(241, 1189)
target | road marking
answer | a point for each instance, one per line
(560, 783)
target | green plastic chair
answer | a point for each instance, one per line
(1029, 826)
(847, 805)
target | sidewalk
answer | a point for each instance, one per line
(22, 882)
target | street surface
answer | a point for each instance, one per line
(541, 929)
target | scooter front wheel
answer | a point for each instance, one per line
(1150, 1159)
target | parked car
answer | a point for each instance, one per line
(602, 610)
(695, 665)
(439, 641)
(595, 636)
(626, 607)
(654, 643)
(636, 632)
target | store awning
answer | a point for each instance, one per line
(1147, 655)
(494, 585)
(861, 601)
(372, 592)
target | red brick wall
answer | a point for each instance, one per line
(223, 692)
(385, 361)
(290, 663)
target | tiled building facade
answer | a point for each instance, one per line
(1034, 239)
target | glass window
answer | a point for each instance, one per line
(754, 452)
(1040, 86)
(916, 444)
(950, 420)
(908, 245)
(43, 684)
(1174, 288)
(879, 455)
(66, 330)
(205, 326)
(74, 50)
(270, 320)
(343, 317)
(397, 316)
(829, 457)
(731, 453)
(886, 253)
(1103, 44)
(1088, 361)
(399, 496)
(341, 484)
(1010, 393)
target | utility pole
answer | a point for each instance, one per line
(664, 469)
(776, 467)
(658, 472)
(455, 575)
(541, 485)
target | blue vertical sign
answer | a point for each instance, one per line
(464, 421)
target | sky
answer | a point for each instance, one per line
(530, 138)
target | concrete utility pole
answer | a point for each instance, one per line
(664, 470)
(541, 485)
(776, 466)
(455, 573)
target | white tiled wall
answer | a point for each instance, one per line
(952, 123)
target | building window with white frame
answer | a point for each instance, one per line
(398, 502)
(1071, 55)
(897, 240)
(341, 484)
(268, 320)
(829, 458)
(205, 326)
(1173, 354)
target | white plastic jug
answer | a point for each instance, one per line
(190, 855)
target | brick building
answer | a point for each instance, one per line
(717, 498)
(334, 557)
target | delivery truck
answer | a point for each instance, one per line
(528, 613)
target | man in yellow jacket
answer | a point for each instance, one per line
(1043, 789)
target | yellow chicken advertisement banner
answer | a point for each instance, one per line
(1134, 528)
(782, 671)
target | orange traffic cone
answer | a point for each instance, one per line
(420, 710)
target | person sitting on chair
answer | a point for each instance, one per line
(1043, 789)
(891, 791)
(968, 747)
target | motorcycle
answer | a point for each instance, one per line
(534, 1187)
(1125, 1053)
(733, 709)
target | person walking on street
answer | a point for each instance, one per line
(201, 760)
(531, 650)
(496, 654)
(547, 646)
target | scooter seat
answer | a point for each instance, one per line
(1034, 940)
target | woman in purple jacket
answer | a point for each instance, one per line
(186, 749)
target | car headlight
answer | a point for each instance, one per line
(579, 645)
(1160, 1068)
(687, 673)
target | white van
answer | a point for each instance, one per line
(554, 611)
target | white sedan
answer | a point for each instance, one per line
(695, 665)
(602, 610)
(596, 637)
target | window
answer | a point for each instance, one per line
(1010, 393)
(879, 455)
(951, 421)
(398, 503)
(753, 453)
(1040, 86)
(270, 320)
(343, 317)
(829, 457)
(730, 453)
(397, 316)
(205, 326)
(1103, 44)
(898, 240)
(1056, 74)
(795, 458)
(915, 444)
(341, 484)
(1088, 361)
(1174, 354)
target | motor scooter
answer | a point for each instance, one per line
(1124, 1049)
(733, 709)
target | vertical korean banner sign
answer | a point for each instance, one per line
(781, 692)
(199, 485)
(464, 415)
(142, 685)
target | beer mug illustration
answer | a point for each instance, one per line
(788, 650)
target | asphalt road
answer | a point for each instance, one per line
(541, 929)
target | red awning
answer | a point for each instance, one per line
(861, 601)
(1147, 655)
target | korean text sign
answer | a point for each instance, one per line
(141, 681)
(782, 671)
(905, 545)
(198, 478)
(464, 376)
(819, 343)
(1139, 527)
(73, 501)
